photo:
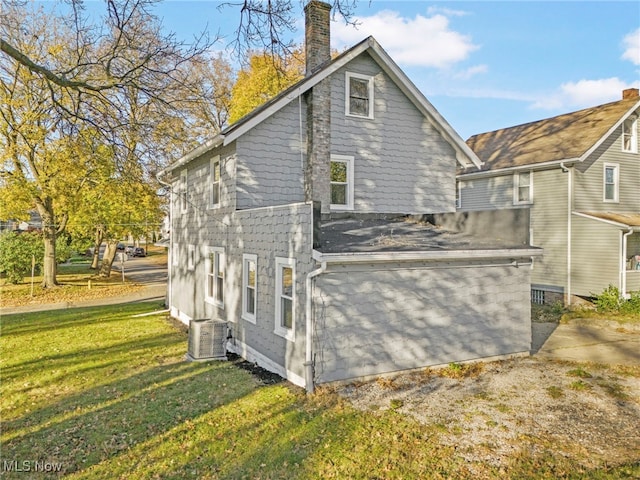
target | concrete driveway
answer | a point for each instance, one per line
(583, 340)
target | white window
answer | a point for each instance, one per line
(215, 265)
(285, 297)
(341, 182)
(175, 254)
(249, 287)
(630, 135)
(183, 191)
(610, 182)
(523, 188)
(458, 194)
(359, 95)
(191, 257)
(214, 181)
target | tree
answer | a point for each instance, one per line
(264, 78)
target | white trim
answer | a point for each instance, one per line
(211, 271)
(191, 257)
(215, 160)
(180, 315)
(516, 188)
(350, 182)
(522, 168)
(425, 256)
(347, 95)
(634, 135)
(604, 220)
(246, 315)
(279, 329)
(616, 183)
(182, 197)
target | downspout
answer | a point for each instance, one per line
(308, 363)
(569, 210)
(170, 255)
(623, 263)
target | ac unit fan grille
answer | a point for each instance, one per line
(207, 339)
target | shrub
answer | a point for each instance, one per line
(609, 300)
(632, 306)
(16, 253)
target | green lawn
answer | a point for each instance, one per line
(104, 393)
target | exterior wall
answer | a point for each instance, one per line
(401, 163)
(385, 318)
(489, 193)
(270, 159)
(588, 192)
(595, 256)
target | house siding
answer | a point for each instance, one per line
(589, 179)
(595, 256)
(489, 193)
(401, 162)
(386, 318)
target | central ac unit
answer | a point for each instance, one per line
(207, 340)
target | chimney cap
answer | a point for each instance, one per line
(630, 93)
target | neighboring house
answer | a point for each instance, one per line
(579, 176)
(286, 225)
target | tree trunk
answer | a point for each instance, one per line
(107, 259)
(96, 249)
(49, 234)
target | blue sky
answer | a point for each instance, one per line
(484, 65)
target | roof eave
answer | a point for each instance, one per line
(528, 167)
(426, 256)
(193, 154)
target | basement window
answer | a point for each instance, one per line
(359, 95)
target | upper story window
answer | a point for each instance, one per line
(249, 287)
(215, 266)
(183, 191)
(359, 95)
(523, 188)
(285, 297)
(214, 180)
(611, 182)
(191, 257)
(341, 182)
(630, 135)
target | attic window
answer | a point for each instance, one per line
(630, 135)
(523, 188)
(359, 97)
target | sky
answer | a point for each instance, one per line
(484, 65)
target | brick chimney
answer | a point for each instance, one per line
(318, 99)
(630, 93)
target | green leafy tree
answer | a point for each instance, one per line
(17, 252)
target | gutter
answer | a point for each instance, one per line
(308, 363)
(528, 167)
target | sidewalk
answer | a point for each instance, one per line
(148, 293)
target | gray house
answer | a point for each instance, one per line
(578, 175)
(303, 226)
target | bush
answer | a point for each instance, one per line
(631, 306)
(16, 253)
(610, 301)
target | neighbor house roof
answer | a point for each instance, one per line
(625, 220)
(464, 154)
(569, 137)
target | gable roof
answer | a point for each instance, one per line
(464, 154)
(569, 137)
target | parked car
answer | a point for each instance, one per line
(138, 252)
(129, 249)
(120, 247)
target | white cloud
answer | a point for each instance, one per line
(632, 47)
(584, 93)
(420, 41)
(471, 72)
(446, 11)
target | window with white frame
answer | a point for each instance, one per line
(183, 191)
(175, 254)
(359, 95)
(214, 181)
(523, 188)
(341, 182)
(630, 135)
(458, 196)
(191, 257)
(249, 287)
(285, 297)
(215, 266)
(610, 182)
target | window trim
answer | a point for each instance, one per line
(632, 133)
(347, 102)
(288, 333)
(191, 257)
(219, 259)
(246, 315)
(349, 160)
(458, 194)
(516, 188)
(182, 197)
(175, 254)
(212, 184)
(616, 183)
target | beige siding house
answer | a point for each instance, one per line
(578, 174)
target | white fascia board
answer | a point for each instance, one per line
(525, 168)
(195, 153)
(425, 256)
(615, 127)
(604, 220)
(424, 105)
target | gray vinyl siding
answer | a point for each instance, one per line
(589, 179)
(401, 163)
(270, 170)
(387, 318)
(595, 256)
(490, 193)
